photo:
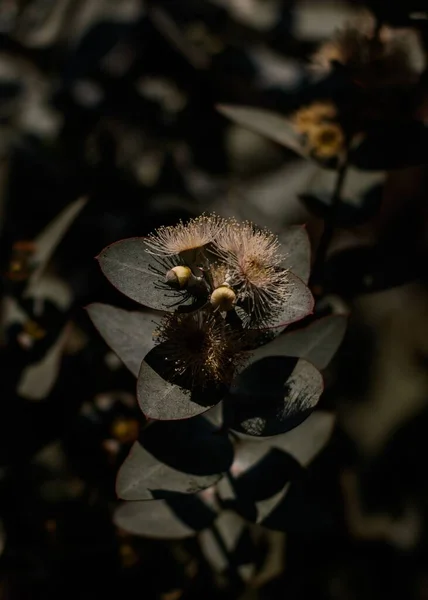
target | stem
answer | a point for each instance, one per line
(330, 224)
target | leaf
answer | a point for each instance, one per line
(129, 334)
(37, 380)
(299, 304)
(138, 274)
(176, 518)
(316, 343)
(177, 456)
(164, 401)
(273, 396)
(144, 477)
(296, 247)
(257, 479)
(392, 145)
(47, 241)
(192, 446)
(263, 469)
(272, 125)
(171, 32)
(228, 545)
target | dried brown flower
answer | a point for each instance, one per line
(200, 348)
(253, 261)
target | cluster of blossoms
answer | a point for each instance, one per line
(379, 64)
(218, 266)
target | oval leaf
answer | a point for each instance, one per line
(192, 446)
(144, 477)
(138, 274)
(47, 241)
(129, 334)
(164, 401)
(176, 518)
(273, 396)
(299, 304)
(274, 126)
(316, 343)
(296, 247)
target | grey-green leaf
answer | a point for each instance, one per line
(138, 274)
(316, 343)
(164, 401)
(267, 399)
(143, 477)
(265, 122)
(176, 518)
(129, 334)
(296, 248)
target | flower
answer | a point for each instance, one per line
(200, 349)
(326, 141)
(393, 57)
(313, 114)
(184, 238)
(252, 261)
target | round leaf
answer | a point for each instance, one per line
(176, 518)
(273, 396)
(138, 274)
(296, 248)
(316, 343)
(272, 125)
(164, 401)
(299, 304)
(192, 446)
(129, 334)
(144, 477)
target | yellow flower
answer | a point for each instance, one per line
(326, 141)
(314, 114)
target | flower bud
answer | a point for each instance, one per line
(179, 277)
(223, 298)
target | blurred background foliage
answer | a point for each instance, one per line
(115, 102)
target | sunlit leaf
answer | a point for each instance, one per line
(138, 274)
(129, 334)
(164, 401)
(296, 248)
(178, 517)
(272, 396)
(316, 343)
(272, 125)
